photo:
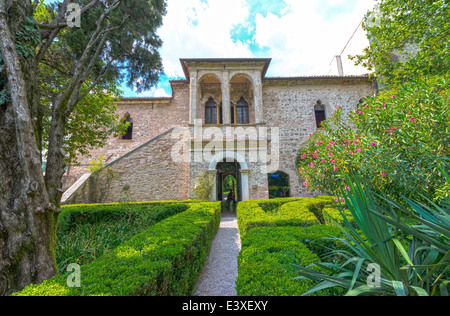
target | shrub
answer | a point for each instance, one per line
(265, 262)
(164, 260)
(278, 212)
(398, 139)
(85, 234)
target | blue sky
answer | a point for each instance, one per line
(301, 36)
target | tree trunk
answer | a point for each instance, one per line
(27, 217)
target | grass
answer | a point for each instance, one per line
(84, 237)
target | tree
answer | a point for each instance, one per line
(408, 39)
(116, 40)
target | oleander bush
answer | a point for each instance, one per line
(164, 260)
(398, 139)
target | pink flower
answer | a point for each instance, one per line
(332, 143)
(374, 144)
(393, 96)
(412, 119)
(384, 105)
(383, 175)
(358, 150)
(319, 143)
(330, 154)
(304, 156)
(307, 171)
(347, 188)
(323, 176)
(335, 168)
(336, 200)
(342, 200)
(339, 106)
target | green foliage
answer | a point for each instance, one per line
(204, 187)
(164, 260)
(278, 212)
(97, 164)
(86, 234)
(398, 139)
(416, 31)
(413, 259)
(276, 234)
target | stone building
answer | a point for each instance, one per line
(228, 121)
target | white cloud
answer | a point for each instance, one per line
(301, 38)
(161, 93)
(305, 40)
(200, 29)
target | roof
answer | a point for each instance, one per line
(185, 61)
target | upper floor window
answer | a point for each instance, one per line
(242, 115)
(319, 111)
(129, 134)
(211, 112)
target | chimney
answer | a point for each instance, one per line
(339, 65)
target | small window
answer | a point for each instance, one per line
(242, 116)
(319, 111)
(129, 133)
(211, 112)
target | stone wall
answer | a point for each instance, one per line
(289, 105)
(147, 173)
(151, 117)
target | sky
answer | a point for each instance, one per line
(301, 36)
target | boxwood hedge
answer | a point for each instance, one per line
(275, 235)
(164, 260)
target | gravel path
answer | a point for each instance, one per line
(220, 272)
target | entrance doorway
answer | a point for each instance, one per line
(228, 178)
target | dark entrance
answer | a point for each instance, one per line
(228, 177)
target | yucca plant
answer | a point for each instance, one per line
(393, 250)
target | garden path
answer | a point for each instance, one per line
(220, 272)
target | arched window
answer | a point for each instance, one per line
(211, 112)
(319, 111)
(242, 112)
(279, 185)
(129, 134)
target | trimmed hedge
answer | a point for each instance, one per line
(165, 260)
(265, 262)
(73, 216)
(122, 204)
(278, 212)
(85, 234)
(276, 234)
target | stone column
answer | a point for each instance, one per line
(258, 98)
(226, 98)
(245, 184)
(194, 96)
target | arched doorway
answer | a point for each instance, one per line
(225, 164)
(228, 177)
